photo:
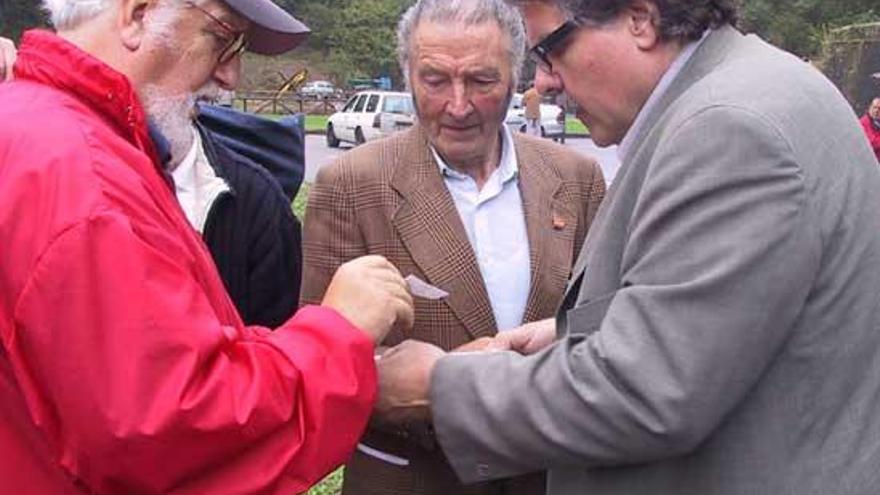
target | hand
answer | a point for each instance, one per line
(370, 293)
(7, 59)
(527, 339)
(405, 382)
(483, 344)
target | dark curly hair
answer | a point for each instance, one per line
(679, 19)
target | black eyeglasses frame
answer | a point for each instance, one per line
(540, 53)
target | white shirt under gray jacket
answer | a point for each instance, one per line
(721, 334)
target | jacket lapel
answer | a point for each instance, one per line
(550, 229)
(430, 228)
(717, 46)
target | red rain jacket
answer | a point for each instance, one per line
(872, 133)
(124, 366)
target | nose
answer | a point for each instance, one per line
(227, 74)
(460, 105)
(548, 82)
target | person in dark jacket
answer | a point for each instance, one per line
(250, 229)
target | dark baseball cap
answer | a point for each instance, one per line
(274, 31)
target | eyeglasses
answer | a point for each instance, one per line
(540, 53)
(236, 42)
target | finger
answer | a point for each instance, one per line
(9, 52)
(499, 345)
(515, 339)
(406, 316)
(387, 276)
(5, 65)
(371, 260)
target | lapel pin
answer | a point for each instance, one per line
(558, 223)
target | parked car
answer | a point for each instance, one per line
(370, 115)
(317, 89)
(552, 118)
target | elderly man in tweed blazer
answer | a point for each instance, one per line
(494, 219)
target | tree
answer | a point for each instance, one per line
(800, 25)
(353, 38)
(19, 15)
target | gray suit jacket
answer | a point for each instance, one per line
(721, 334)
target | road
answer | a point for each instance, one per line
(319, 154)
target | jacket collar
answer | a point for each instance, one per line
(717, 46)
(429, 225)
(48, 59)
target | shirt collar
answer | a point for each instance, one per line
(508, 167)
(668, 77)
(197, 184)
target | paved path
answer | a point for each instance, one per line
(319, 154)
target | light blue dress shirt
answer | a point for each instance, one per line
(496, 227)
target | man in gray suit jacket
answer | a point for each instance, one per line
(721, 331)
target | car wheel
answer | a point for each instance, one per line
(543, 134)
(359, 136)
(332, 140)
(522, 128)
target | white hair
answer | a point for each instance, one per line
(68, 14)
(468, 13)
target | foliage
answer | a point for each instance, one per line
(799, 25)
(356, 38)
(18, 15)
(353, 38)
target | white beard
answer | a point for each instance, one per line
(173, 115)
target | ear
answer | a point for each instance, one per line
(643, 21)
(131, 20)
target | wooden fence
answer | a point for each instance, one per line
(272, 102)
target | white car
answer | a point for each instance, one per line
(370, 115)
(552, 118)
(318, 89)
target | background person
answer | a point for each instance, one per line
(871, 124)
(492, 217)
(532, 113)
(242, 211)
(125, 367)
(719, 334)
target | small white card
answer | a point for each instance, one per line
(420, 288)
(382, 456)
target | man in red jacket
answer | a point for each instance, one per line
(124, 367)
(871, 124)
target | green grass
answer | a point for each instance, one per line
(299, 202)
(331, 485)
(574, 126)
(316, 122)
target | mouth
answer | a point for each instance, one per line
(460, 129)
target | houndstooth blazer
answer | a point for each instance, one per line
(388, 198)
